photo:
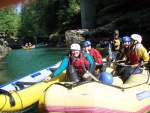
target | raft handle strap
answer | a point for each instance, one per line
(11, 99)
(72, 85)
(25, 83)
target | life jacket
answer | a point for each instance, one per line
(94, 56)
(133, 57)
(81, 64)
(116, 44)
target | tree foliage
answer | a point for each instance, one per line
(9, 20)
(41, 17)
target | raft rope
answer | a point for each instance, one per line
(20, 98)
(11, 99)
(4, 103)
(21, 111)
(25, 110)
(72, 85)
(76, 84)
(20, 85)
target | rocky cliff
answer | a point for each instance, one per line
(4, 49)
(128, 16)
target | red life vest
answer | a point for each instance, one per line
(80, 64)
(97, 57)
(133, 57)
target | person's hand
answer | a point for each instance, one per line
(122, 64)
(47, 79)
(135, 65)
(85, 75)
(96, 63)
(87, 51)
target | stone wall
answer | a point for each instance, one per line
(4, 49)
(74, 36)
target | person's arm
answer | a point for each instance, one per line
(62, 67)
(99, 57)
(91, 61)
(109, 49)
(109, 52)
(143, 54)
(59, 70)
(89, 58)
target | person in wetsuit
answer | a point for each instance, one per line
(76, 63)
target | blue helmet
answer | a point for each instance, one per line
(106, 78)
(126, 39)
(88, 42)
(84, 44)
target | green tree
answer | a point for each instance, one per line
(9, 20)
(41, 17)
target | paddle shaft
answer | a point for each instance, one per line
(92, 76)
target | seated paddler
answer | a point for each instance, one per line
(137, 58)
(76, 64)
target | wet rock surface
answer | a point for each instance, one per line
(4, 49)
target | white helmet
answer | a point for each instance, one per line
(136, 37)
(75, 46)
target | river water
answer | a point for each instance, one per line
(21, 62)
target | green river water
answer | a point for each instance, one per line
(21, 62)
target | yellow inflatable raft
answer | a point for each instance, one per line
(95, 97)
(28, 47)
(19, 100)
